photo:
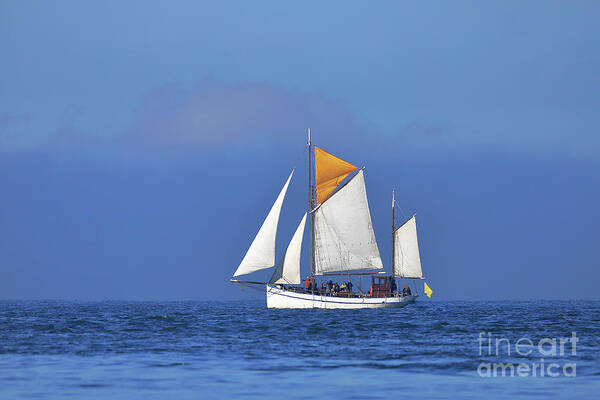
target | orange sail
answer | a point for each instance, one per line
(329, 171)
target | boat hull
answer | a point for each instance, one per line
(281, 298)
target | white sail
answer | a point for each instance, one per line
(261, 253)
(407, 262)
(344, 237)
(288, 269)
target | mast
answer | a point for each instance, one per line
(311, 215)
(393, 229)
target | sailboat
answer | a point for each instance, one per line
(342, 243)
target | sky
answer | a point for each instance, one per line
(142, 143)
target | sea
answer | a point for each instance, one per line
(241, 349)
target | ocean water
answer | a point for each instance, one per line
(197, 350)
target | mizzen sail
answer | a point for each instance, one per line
(344, 236)
(288, 269)
(407, 261)
(261, 253)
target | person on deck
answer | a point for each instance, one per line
(393, 285)
(406, 291)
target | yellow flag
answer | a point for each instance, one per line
(427, 290)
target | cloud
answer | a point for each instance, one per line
(216, 116)
(212, 116)
(217, 113)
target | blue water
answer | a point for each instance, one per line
(192, 350)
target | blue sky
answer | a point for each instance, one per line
(142, 143)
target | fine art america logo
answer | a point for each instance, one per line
(549, 350)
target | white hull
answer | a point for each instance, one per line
(281, 298)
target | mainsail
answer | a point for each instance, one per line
(261, 253)
(288, 269)
(407, 262)
(330, 171)
(344, 237)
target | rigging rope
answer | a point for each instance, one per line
(241, 286)
(300, 156)
(400, 208)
